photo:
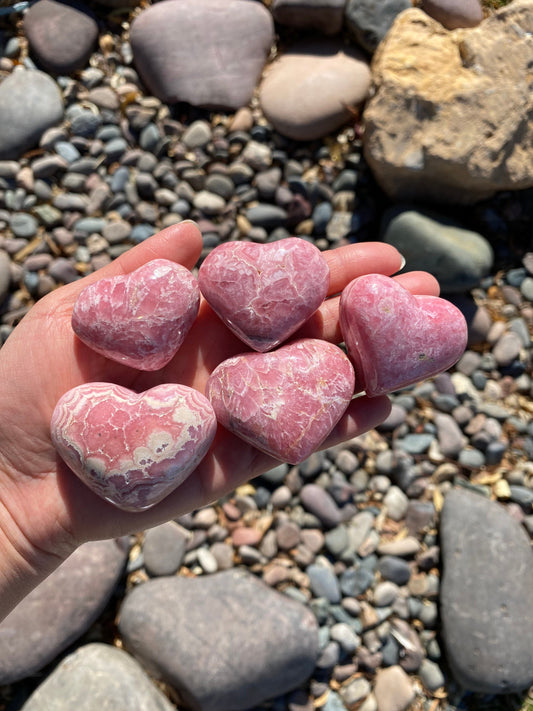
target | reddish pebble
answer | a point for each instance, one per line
(140, 319)
(286, 402)
(244, 536)
(395, 339)
(264, 292)
(132, 449)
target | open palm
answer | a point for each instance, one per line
(45, 510)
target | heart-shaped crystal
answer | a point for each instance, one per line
(132, 449)
(285, 402)
(394, 338)
(139, 319)
(264, 292)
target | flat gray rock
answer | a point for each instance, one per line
(60, 609)
(225, 641)
(30, 102)
(485, 599)
(457, 257)
(208, 53)
(61, 35)
(97, 677)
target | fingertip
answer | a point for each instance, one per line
(419, 282)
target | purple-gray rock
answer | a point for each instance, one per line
(30, 102)
(60, 609)
(323, 15)
(318, 502)
(209, 53)
(95, 677)
(486, 595)
(369, 21)
(61, 35)
(224, 641)
(454, 13)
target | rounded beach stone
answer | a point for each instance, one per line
(132, 449)
(308, 92)
(395, 338)
(285, 402)
(166, 621)
(30, 102)
(264, 292)
(61, 609)
(208, 53)
(454, 13)
(97, 676)
(61, 35)
(457, 257)
(485, 595)
(369, 22)
(140, 319)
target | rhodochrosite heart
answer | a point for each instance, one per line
(264, 292)
(285, 402)
(395, 339)
(139, 319)
(132, 449)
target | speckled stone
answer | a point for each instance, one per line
(485, 595)
(286, 402)
(132, 449)
(264, 292)
(394, 338)
(140, 319)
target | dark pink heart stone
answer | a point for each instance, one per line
(132, 449)
(285, 402)
(264, 292)
(140, 319)
(395, 339)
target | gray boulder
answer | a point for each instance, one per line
(60, 609)
(224, 641)
(97, 677)
(30, 102)
(487, 625)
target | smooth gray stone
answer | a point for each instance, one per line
(97, 677)
(30, 102)
(208, 53)
(5, 274)
(458, 258)
(485, 599)
(224, 641)
(61, 35)
(369, 21)
(60, 609)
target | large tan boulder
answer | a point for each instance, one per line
(451, 119)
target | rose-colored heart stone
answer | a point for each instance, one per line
(139, 319)
(264, 292)
(132, 449)
(395, 339)
(285, 402)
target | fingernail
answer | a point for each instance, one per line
(403, 262)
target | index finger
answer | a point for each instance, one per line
(353, 260)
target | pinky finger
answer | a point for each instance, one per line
(363, 414)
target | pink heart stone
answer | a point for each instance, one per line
(264, 292)
(132, 449)
(286, 402)
(139, 319)
(395, 339)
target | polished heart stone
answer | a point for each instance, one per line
(132, 449)
(285, 402)
(264, 292)
(139, 319)
(395, 339)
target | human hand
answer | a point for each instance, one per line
(45, 510)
